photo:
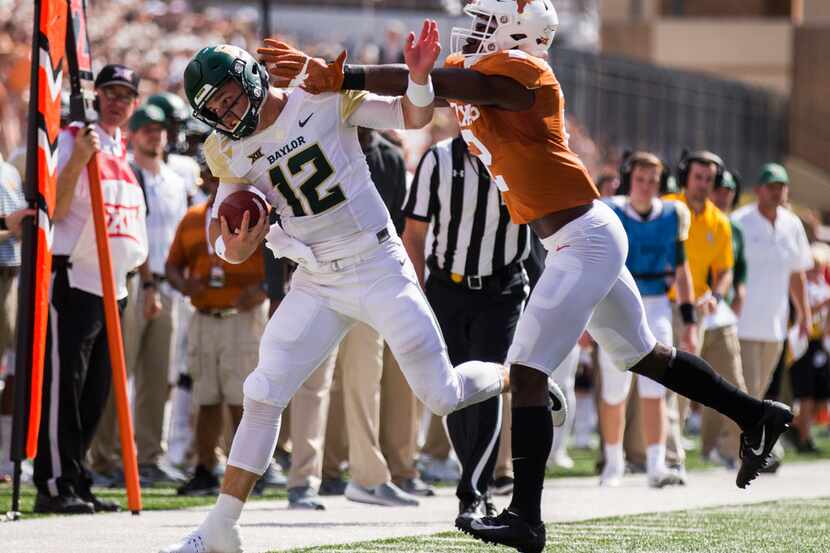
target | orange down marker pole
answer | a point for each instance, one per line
(116, 345)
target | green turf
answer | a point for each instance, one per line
(797, 526)
(153, 499)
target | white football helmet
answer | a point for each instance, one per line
(498, 25)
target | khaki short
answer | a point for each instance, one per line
(221, 352)
(8, 309)
(759, 360)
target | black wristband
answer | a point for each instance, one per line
(3, 225)
(149, 284)
(718, 297)
(687, 313)
(354, 78)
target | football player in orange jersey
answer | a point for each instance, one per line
(511, 110)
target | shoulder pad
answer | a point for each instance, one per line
(219, 154)
(350, 100)
(529, 70)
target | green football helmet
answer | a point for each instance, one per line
(175, 110)
(176, 115)
(211, 68)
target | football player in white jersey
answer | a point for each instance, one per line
(302, 154)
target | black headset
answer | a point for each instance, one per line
(704, 156)
(627, 167)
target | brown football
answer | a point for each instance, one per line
(235, 206)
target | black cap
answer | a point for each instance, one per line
(118, 74)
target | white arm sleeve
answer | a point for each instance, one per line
(379, 112)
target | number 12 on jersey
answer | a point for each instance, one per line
(305, 199)
(483, 155)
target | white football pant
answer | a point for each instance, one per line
(381, 289)
(585, 284)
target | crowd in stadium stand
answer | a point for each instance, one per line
(157, 39)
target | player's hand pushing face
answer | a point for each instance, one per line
(240, 246)
(290, 67)
(420, 55)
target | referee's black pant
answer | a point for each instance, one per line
(76, 384)
(477, 325)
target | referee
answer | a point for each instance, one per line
(476, 286)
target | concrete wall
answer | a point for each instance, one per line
(726, 8)
(810, 109)
(815, 11)
(754, 50)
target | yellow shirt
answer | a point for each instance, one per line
(709, 246)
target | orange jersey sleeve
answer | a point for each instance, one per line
(526, 152)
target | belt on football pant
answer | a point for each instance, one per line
(495, 282)
(219, 313)
(60, 262)
(336, 265)
(157, 277)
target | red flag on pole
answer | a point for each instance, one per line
(48, 54)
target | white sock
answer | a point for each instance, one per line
(227, 510)
(614, 457)
(656, 458)
(5, 439)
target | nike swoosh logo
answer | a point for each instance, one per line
(562, 247)
(760, 449)
(302, 123)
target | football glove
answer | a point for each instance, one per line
(290, 67)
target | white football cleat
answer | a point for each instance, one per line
(203, 540)
(611, 476)
(666, 477)
(559, 405)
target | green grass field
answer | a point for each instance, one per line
(798, 526)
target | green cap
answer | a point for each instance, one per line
(728, 181)
(146, 115)
(772, 172)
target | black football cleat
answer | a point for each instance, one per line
(757, 443)
(469, 510)
(65, 504)
(510, 530)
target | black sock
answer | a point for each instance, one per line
(691, 376)
(532, 439)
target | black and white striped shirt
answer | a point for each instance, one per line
(471, 228)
